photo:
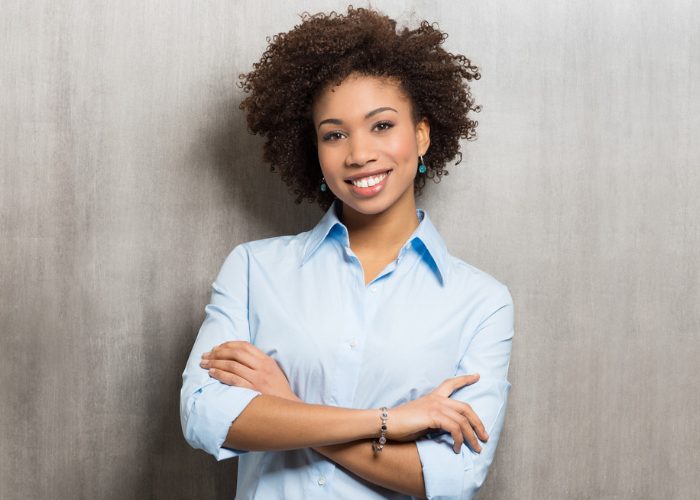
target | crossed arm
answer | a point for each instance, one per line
(340, 434)
(343, 435)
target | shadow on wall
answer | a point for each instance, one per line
(248, 197)
(253, 192)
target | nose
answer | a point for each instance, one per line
(361, 151)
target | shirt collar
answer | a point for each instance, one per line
(426, 234)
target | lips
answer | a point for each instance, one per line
(367, 174)
(369, 191)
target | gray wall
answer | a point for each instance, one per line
(128, 176)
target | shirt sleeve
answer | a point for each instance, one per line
(446, 474)
(207, 406)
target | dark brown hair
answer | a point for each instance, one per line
(324, 49)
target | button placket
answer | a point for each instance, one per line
(351, 255)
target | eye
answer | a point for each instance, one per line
(332, 136)
(385, 125)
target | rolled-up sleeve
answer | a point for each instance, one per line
(449, 475)
(207, 406)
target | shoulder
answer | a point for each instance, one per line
(274, 245)
(276, 249)
(478, 284)
(271, 256)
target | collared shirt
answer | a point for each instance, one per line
(302, 299)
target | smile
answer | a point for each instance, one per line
(369, 186)
(370, 181)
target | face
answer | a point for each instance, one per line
(365, 127)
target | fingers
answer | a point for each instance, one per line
(450, 385)
(466, 410)
(241, 355)
(464, 431)
(244, 346)
(236, 344)
(237, 351)
(460, 428)
(460, 419)
(229, 378)
(228, 366)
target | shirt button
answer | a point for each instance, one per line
(322, 480)
(353, 343)
(373, 288)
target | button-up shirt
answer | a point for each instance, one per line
(302, 300)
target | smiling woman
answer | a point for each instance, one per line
(359, 359)
(368, 158)
(322, 52)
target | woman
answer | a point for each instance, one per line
(358, 359)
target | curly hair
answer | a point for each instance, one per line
(326, 48)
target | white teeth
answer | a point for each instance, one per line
(369, 181)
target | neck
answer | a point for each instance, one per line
(383, 231)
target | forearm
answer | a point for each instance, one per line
(274, 423)
(397, 467)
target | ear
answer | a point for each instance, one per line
(423, 136)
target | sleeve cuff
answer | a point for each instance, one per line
(212, 410)
(443, 469)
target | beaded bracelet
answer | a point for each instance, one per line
(379, 446)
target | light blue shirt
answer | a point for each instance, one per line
(302, 300)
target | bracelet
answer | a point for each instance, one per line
(379, 446)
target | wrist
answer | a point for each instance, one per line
(378, 444)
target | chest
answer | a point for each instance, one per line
(341, 342)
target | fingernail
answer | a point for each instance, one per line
(204, 363)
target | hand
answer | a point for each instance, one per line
(436, 410)
(242, 364)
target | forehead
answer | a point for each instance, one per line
(358, 94)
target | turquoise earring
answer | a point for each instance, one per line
(323, 184)
(422, 168)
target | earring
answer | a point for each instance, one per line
(422, 168)
(323, 184)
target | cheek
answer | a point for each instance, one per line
(329, 158)
(403, 148)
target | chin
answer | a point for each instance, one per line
(370, 206)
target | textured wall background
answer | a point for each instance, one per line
(128, 176)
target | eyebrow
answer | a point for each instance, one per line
(336, 121)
